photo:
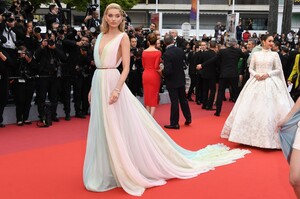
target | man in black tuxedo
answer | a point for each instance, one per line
(178, 41)
(229, 74)
(209, 76)
(175, 81)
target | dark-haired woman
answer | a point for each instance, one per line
(151, 78)
(262, 103)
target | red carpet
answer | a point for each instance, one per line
(46, 163)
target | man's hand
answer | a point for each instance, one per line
(199, 67)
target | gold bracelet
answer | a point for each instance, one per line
(118, 90)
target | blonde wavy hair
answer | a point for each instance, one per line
(104, 24)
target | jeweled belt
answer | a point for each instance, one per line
(106, 68)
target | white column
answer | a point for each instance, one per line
(197, 19)
(233, 3)
(98, 2)
(156, 6)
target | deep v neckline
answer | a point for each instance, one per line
(101, 51)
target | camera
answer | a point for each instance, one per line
(91, 8)
(223, 28)
(6, 14)
(26, 52)
(2, 40)
(51, 42)
(85, 47)
(146, 31)
(23, 70)
(37, 29)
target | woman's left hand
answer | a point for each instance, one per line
(265, 76)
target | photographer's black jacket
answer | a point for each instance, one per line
(50, 18)
(44, 55)
(73, 52)
(7, 65)
(27, 70)
(20, 34)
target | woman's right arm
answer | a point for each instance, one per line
(252, 66)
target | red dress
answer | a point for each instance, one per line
(151, 78)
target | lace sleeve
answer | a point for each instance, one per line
(277, 67)
(252, 65)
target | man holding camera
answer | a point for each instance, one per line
(5, 64)
(49, 57)
(52, 16)
(24, 86)
(12, 35)
(92, 20)
(73, 72)
(134, 80)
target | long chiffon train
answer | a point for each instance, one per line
(125, 145)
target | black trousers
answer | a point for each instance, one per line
(134, 82)
(178, 95)
(77, 83)
(65, 92)
(3, 92)
(87, 81)
(209, 91)
(47, 85)
(67, 83)
(193, 84)
(199, 97)
(223, 84)
(23, 93)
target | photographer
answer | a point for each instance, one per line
(71, 74)
(24, 8)
(49, 56)
(92, 20)
(85, 70)
(33, 37)
(24, 85)
(52, 16)
(13, 35)
(134, 80)
(5, 64)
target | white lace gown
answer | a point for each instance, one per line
(126, 147)
(260, 105)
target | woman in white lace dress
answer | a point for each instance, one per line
(263, 101)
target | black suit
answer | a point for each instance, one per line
(192, 73)
(180, 42)
(229, 73)
(199, 80)
(175, 82)
(209, 78)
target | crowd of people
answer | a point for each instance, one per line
(50, 64)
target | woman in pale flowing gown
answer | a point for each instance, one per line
(125, 146)
(262, 103)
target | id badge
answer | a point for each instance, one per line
(21, 80)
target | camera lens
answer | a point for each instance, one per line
(50, 42)
(10, 20)
(37, 29)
